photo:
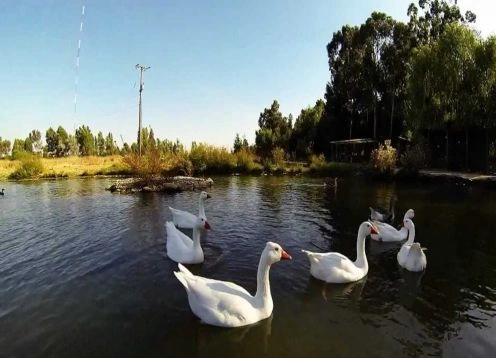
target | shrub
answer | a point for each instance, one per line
(245, 162)
(146, 166)
(384, 158)
(178, 163)
(319, 166)
(31, 167)
(415, 158)
(207, 158)
(317, 161)
(278, 156)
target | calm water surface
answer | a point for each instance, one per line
(84, 272)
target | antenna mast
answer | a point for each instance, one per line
(141, 68)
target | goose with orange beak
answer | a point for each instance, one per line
(225, 304)
(334, 267)
(411, 255)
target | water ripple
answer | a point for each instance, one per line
(84, 272)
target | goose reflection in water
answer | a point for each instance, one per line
(213, 341)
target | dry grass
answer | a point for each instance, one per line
(7, 167)
(71, 166)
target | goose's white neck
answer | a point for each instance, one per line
(361, 260)
(263, 297)
(196, 239)
(201, 208)
(411, 235)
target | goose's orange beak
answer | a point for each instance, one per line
(285, 256)
(374, 230)
(207, 225)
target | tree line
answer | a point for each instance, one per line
(389, 78)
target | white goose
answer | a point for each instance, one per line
(180, 247)
(389, 233)
(411, 255)
(225, 304)
(186, 220)
(334, 267)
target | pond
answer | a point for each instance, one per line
(84, 272)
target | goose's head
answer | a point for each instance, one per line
(408, 223)
(410, 214)
(366, 228)
(275, 253)
(202, 223)
(204, 195)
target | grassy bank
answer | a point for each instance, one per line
(68, 167)
(71, 167)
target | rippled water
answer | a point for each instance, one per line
(84, 272)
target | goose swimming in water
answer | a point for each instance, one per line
(334, 267)
(224, 303)
(187, 220)
(411, 255)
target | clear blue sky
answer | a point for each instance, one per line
(215, 65)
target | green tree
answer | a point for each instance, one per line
(395, 59)
(238, 144)
(85, 141)
(304, 132)
(35, 138)
(452, 82)
(110, 147)
(100, 144)
(347, 87)
(274, 131)
(18, 148)
(4, 147)
(28, 145)
(264, 142)
(437, 14)
(63, 146)
(51, 139)
(72, 145)
(126, 149)
(245, 144)
(377, 34)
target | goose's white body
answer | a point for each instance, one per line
(181, 248)
(416, 261)
(186, 220)
(334, 267)
(225, 304)
(389, 233)
(411, 255)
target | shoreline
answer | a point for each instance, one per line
(327, 169)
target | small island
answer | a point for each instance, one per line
(160, 184)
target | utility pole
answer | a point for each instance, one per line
(141, 68)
